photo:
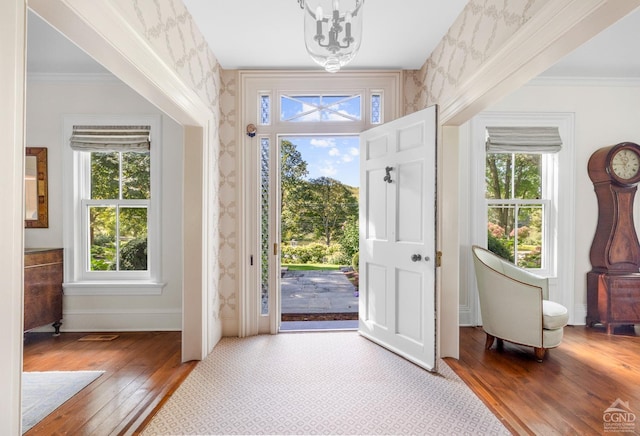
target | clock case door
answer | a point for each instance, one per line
(615, 246)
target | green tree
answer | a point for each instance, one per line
(350, 237)
(293, 171)
(328, 205)
(119, 176)
(511, 176)
(514, 176)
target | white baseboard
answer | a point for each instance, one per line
(465, 317)
(121, 320)
(230, 327)
(579, 315)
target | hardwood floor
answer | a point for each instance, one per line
(141, 370)
(567, 393)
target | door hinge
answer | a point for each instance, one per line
(275, 249)
(438, 258)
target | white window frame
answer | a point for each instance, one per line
(79, 280)
(549, 176)
(560, 179)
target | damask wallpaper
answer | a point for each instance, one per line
(481, 29)
(228, 289)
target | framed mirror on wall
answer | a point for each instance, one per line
(36, 202)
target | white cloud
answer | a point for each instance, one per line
(334, 152)
(323, 142)
(347, 158)
(328, 170)
(353, 151)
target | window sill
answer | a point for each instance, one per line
(114, 287)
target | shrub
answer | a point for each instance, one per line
(350, 238)
(133, 255)
(310, 253)
(355, 262)
(495, 230)
(336, 255)
(499, 247)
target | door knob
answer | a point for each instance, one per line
(416, 258)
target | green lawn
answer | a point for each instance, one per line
(310, 266)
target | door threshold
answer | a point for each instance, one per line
(306, 326)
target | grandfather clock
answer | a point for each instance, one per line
(613, 284)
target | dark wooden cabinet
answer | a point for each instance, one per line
(43, 275)
(613, 299)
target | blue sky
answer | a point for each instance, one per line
(337, 157)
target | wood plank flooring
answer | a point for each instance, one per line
(567, 393)
(141, 370)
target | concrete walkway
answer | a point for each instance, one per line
(317, 292)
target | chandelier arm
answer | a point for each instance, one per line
(338, 38)
(337, 45)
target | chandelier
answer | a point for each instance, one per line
(332, 36)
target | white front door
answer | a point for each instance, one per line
(397, 236)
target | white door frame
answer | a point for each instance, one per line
(274, 84)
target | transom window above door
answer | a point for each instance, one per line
(314, 108)
(302, 108)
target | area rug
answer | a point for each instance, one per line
(319, 383)
(43, 392)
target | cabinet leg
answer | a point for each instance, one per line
(609, 329)
(56, 325)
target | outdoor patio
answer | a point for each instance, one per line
(318, 295)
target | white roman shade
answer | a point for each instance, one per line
(523, 140)
(111, 138)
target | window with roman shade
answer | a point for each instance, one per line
(518, 180)
(523, 140)
(111, 138)
(116, 197)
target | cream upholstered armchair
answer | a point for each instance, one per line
(514, 304)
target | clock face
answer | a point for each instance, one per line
(625, 164)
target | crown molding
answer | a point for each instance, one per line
(557, 29)
(72, 77)
(584, 81)
(104, 33)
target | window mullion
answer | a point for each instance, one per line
(118, 235)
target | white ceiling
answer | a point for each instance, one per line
(269, 34)
(271, 38)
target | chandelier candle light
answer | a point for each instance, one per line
(332, 39)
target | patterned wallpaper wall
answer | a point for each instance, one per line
(169, 28)
(481, 29)
(228, 208)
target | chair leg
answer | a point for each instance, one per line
(489, 341)
(540, 353)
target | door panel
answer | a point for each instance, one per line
(377, 204)
(409, 303)
(397, 246)
(410, 198)
(377, 285)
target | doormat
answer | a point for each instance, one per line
(340, 316)
(97, 338)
